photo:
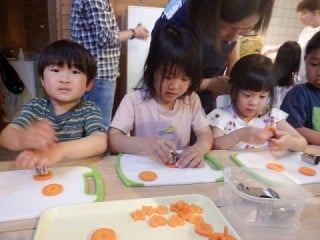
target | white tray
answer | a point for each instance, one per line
(79, 221)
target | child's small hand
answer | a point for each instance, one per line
(38, 135)
(190, 157)
(277, 142)
(161, 150)
(31, 158)
(256, 135)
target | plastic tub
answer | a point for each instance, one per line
(264, 199)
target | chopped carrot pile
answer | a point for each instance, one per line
(179, 213)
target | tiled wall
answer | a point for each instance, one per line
(285, 24)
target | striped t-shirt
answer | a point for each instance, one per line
(81, 121)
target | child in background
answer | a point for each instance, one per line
(302, 102)
(286, 67)
(309, 11)
(62, 125)
(245, 123)
(161, 112)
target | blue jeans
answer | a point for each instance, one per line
(102, 94)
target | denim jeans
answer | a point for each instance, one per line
(102, 94)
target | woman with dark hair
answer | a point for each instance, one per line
(218, 24)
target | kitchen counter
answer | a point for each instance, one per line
(115, 190)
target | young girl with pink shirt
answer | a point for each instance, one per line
(157, 118)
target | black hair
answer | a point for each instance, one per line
(252, 72)
(313, 44)
(68, 52)
(286, 63)
(310, 5)
(172, 47)
(205, 15)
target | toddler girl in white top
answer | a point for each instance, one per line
(244, 124)
(157, 118)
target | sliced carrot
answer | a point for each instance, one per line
(175, 221)
(185, 213)
(148, 210)
(276, 167)
(103, 234)
(196, 219)
(148, 176)
(272, 129)
(157, 221)
(178, 206)
(138, 215)
(43, 177)
(203, 229)
(171, 165)
(161, 209)
(307, 171)
(196, 208)
(52, 189)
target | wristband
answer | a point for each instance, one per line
(133, 33)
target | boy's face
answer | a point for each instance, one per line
(65, 86)
(313, 67)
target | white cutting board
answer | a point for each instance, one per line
(291, 160)
(129, 166)
(21, 196)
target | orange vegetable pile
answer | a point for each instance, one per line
(178, 214)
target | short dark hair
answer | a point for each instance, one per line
(313, 44)
(310, 5)
(173, 47)
(252, 72)
(286, 63)
(68, 52)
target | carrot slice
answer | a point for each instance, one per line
(52, 189)
(272, 129)
(196, 219)
(175, 221)
(196, 208)
(103, 234)
(148, 176)
(203, 229)
(171, 165)
(276, 167)
(307, 171)
(43, 177)
(157, 221)
(161, 209)
(138, 215)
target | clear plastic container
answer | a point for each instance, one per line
(262, 199)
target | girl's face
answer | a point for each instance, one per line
(231, 31)
(171, 86)
(250, 103)
(313, 67)
(308, 17)
(65, 86)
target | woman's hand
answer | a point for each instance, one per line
(191, 158)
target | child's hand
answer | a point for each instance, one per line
(190, 157)
(277, 142)
(161, 150)
(38, 135)
(32, 158)
(256, 135)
